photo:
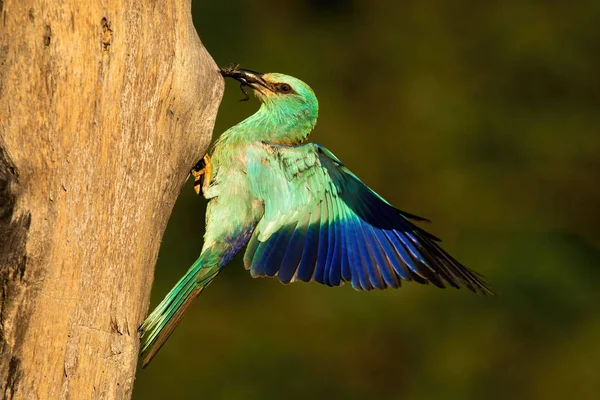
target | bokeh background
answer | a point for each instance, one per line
(483, 117)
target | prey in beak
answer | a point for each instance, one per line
(247, 78)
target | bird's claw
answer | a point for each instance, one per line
(202, 173)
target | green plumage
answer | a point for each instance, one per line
(303, 215)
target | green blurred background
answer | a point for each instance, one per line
(483, 117)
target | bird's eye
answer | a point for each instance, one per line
(285, 88)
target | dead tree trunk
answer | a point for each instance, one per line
(104, 108)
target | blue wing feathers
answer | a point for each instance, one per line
(335, 269)
(379, 249)
(348, 253)
(381, 260)
(363, 256)
(400, 266)
(374, 262)
(396, 267)
(323, 244)
(333, 240)
(351, 234)
(276, 252)
(406, 258)
(354, 257)
(293, 253)
(311, 245)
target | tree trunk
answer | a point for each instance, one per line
(104, 108)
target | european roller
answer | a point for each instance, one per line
(302, 214)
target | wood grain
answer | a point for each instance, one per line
(104, 108)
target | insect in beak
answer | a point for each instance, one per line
(247, 78)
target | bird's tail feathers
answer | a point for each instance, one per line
(161, 323)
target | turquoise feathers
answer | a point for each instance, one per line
(303, 215)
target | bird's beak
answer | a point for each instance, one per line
(247, 77)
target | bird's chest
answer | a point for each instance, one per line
(232, 208)
(229, 172)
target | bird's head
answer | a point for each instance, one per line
(282, 94)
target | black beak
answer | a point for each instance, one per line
(246, 77)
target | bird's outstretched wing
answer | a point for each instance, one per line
(321, 223)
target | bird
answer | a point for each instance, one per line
(301, 213)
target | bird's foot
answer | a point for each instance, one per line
(202, 173)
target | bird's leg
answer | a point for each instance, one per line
(202, 173)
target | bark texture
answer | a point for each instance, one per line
(104, 108)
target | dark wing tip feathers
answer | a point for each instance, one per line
(412, 216)
(372, 264)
